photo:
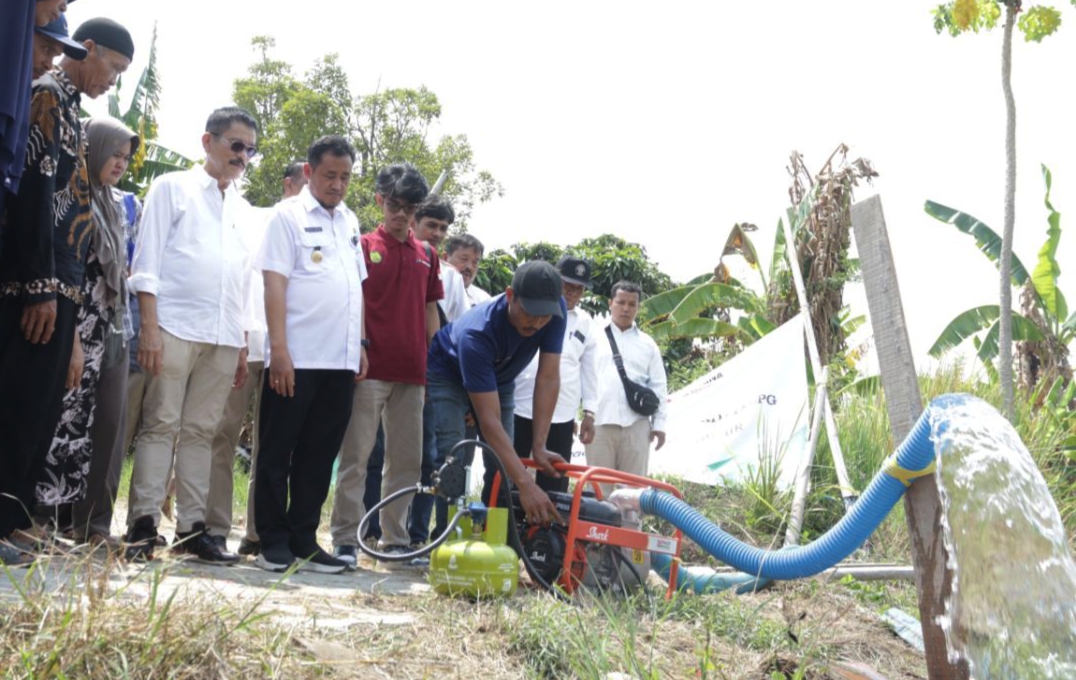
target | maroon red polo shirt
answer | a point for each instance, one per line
(401, 278)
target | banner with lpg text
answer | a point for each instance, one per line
(751, 410)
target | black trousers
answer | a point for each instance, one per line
(299, 437)
(31, 398)
(560, 440)
(93, 514)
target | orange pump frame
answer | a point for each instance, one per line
(580, 531)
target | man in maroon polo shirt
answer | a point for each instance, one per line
(401, 294)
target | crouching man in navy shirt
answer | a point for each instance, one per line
(473, 365)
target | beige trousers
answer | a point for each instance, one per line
(399, 406)
(626, 449)
(218, 513)
(136, 389)
(187, 399)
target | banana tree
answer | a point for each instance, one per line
(152, 160)
(700, 309)
(1043, 326)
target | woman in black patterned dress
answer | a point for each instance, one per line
(102, 333)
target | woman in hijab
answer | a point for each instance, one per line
(87, 449)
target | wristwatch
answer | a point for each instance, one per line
(365, 342)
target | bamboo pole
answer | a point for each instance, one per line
(847, 492)
(803, 475)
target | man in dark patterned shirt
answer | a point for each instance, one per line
(46, 232)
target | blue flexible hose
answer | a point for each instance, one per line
(704, 580)
(915, 454)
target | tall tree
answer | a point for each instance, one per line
(1035, 23)
(388, 126)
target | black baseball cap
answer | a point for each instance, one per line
(537, 286)
(575, 270)
(57, 30)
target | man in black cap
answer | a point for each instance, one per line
(47, 230)
(578, 379)
(473, 365)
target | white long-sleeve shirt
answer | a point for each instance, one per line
(190, 255)
(578, 375)
(475, 295)
(642, 363)
(252, 230)
(455, 302)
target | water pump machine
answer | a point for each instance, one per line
(599, 546)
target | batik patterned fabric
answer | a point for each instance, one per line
(48, 226)
(68, 462)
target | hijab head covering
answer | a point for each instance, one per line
(104, 136)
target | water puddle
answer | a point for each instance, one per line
(1012, 613)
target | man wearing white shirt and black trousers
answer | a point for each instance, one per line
(219, 504)
(313, 273)
(190, 274)
(622, 437)
(578, 378)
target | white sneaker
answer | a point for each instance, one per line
(276, 559)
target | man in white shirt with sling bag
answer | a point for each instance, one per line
(632, 389)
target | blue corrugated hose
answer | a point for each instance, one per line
(914, 455)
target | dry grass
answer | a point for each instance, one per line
(65, 618)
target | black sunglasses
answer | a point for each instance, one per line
(238, 146)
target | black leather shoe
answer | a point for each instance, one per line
(200, 545)
(141, 538)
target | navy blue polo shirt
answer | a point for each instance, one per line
(482, 351)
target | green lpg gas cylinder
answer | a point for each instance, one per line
(478, 563)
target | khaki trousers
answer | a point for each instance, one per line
(187, 398)
(218, 514)
(136, 390)
(399, 407)
(626, 449)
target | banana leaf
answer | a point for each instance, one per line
(988, 366)
(684, 302)
(755, 325)
(696, 328)
(963, 327)
(985, 238)
(1022, 329)
(778, 262)
(711, 295)
(663, 304)
(864, 387)
(1044, 278)
(1070, 325)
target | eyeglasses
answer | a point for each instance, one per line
(238, 146)
(394, 206)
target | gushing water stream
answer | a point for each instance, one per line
(1012, 613)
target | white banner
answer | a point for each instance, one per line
(750, 410)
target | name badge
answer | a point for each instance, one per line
(313, 230)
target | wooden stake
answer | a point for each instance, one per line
(900, 384)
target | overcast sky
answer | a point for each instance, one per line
(668, 122)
